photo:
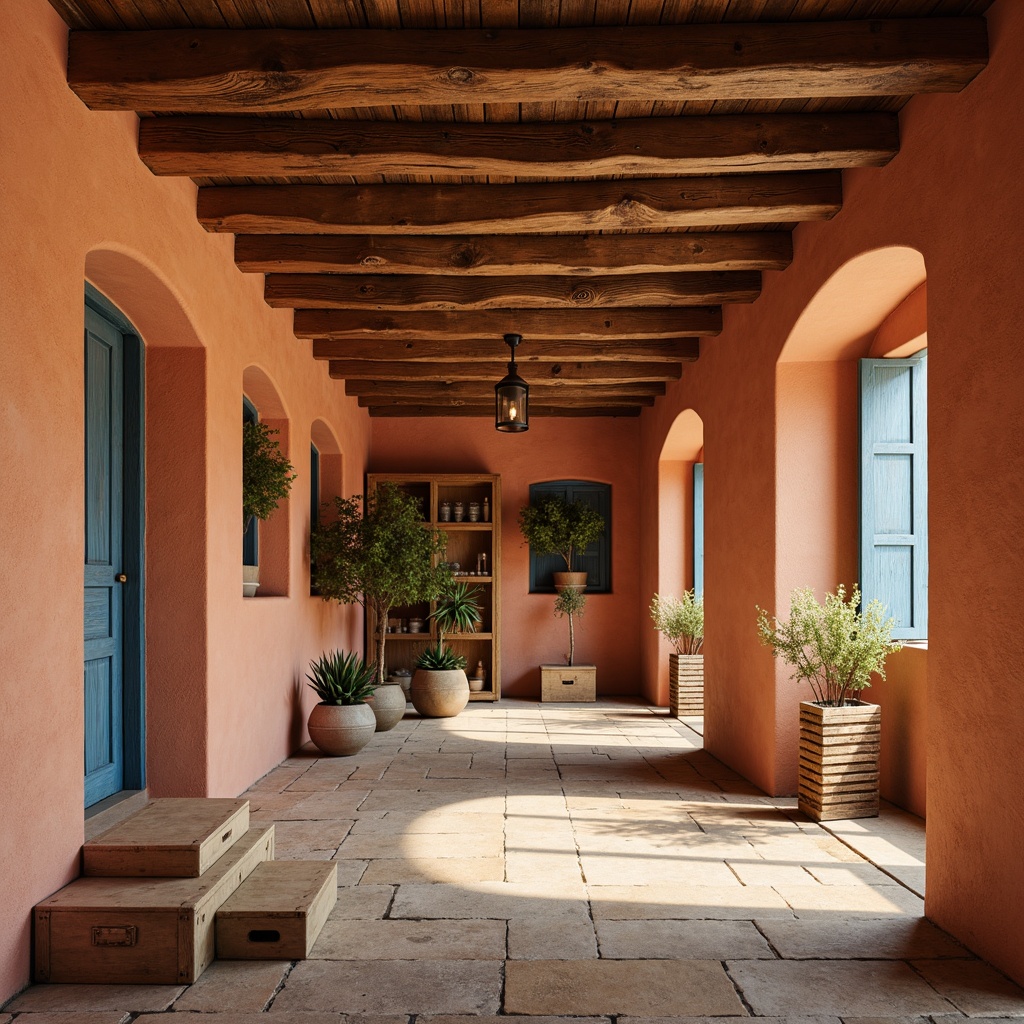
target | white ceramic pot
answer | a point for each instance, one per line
(387, 705)
(341, 730)
(250, 580)
(439, 694)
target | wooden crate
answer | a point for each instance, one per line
(177, 836)
(838, 772)
(686, 685)
(156, 931)
(278, 911)
(568, 682)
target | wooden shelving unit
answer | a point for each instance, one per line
(466, 541)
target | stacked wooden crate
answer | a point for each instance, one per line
(686, 685)
(159, 889)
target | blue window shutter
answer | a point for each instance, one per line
(251, 537)
(894, 490)
(596, 561)
(314, 487)
(698, 528)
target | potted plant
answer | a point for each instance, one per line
(554, 526)
(440, 688)
(681, 622)
(836, 648)
(381, 556)
(267, 477)
(571, 603)
(569, 682)
(342, 723)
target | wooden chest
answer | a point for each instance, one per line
(568, 682)
(278, 911)
(132, 931)
(177, 836)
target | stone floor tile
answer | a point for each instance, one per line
(283, 1017)
(351, 872)
(681, 940)
(238, 984)
(643, 987)
(411, 940)
(497, 900)
(652, 868)
(362, 902)
(398, 823)
(755, 872)
(366, 986)
(567, 937)
(292, 837)
(850, 874)
(444, 797)
(889, 939)
(973, 987)
(863, 988)
(715, 1020)
(450, 1019)
(686, 902)
(418, 845)
(854, 901)
(433, 869)
(71, 1017)
(132, 998)
(320, 806)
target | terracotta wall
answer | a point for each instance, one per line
(225, 701)
(953, 195)
(553, 449)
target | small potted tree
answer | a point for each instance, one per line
(381, 557)
(569, 682)
(440, 688)
(342, 723)
(267, 478)
(554, 526)
(836, 647)
(681, 622)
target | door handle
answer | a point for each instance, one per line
(121, 578)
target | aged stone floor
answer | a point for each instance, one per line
(575, 860)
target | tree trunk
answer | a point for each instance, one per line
(572, 640)
(382, 624)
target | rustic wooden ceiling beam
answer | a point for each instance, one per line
(492, 371)
(499, 255)
(654, 204)
(382, 350)
(534, 324)
(293, 147)
(279, 70)
(429, 292)
(537, 411)
(479, 393)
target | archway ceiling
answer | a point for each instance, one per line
(418, 177)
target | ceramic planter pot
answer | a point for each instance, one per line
(569, 579)
(387, 705)
(685, 685)
(439, 694)
(340, 731)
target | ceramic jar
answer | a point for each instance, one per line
(458, 511)
(474, 511)
(444, 512)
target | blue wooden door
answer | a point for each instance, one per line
(104, 515)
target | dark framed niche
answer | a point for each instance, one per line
(596, 561)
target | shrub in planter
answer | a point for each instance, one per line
(571, 603)
(342, 723)
(554, 526)
(681, 622)
(440, 688)
(267, 478)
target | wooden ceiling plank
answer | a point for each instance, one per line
(480, 393)
(482, 256)
(534, 324)
(298, 147)
(261, 70)
(487, 412)
(429, 292)
(493, 370)
(382, 350)
(651, 204)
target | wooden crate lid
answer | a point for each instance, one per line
(281, 887)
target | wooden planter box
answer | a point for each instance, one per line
(686, 685)
(565, 683)
(839, 760)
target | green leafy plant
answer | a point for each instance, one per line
(571, 603)
(440, 659)
(342, 679)
(680, 620)
(835, 647)
(457, 609)
(382, 557)
(267, 475)
(554, 526)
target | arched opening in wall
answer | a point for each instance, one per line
(169, 570)
(326, 478)
(261, 400)
(851, 489)
(680, 522)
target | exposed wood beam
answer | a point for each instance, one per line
(655, 204)
(427, 292)
(480, 393)
(668, 350)
(278, 70)
(500, 255)
(533, 324)
(262, 147)
(487, 412)
(478, 370)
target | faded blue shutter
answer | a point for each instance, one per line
(251, 537)
(698, 528)
(894, 490)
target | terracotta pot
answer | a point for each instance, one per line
(250, 580)
(439, 694)
(570, 579)
(476, 684)
(340, 731)
(387, 705)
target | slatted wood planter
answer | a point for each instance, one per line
(838, 775)
(686, 685)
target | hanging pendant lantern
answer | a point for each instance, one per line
(512, 395)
